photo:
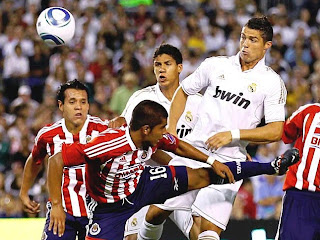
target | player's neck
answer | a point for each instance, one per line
(74, 129)
(136, 138)
(247, 66)
(169, 91)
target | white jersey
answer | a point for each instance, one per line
(234, 99)
(187, 120)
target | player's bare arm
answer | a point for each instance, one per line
(269, 133)
(57, 215)
(186, 150)
(161, 157)
(30, 172)
(177, 107)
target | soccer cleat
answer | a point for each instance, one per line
(282, 162)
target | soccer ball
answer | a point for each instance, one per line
(55, 25)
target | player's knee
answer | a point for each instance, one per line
(156, 215)
(208, 235)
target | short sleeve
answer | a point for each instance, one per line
(168, 143)
(198, 80)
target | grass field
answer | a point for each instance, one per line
(19, 228)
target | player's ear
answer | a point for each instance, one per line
(180, 68)
(267, 45)
(60, 105)
(145, 130)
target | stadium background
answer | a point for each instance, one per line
(112, 53)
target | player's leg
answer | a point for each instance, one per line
(188, 223)
(214, 205)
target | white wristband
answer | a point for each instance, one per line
(210, 160)
(235, 134)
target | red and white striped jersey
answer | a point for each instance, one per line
(114, 164)
(303, 127)
(49, 141)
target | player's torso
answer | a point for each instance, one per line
(305, 174)
(73, 190)
(233, 100)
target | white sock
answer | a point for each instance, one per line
(149, 231)
(208, 235)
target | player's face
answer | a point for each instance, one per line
(75, 107)
(252, 46)
(157, 133)
(167, 71)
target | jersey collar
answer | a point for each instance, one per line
(131, 143)
(160, 95)
(259, 65)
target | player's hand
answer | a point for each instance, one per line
(223, 171)
(28, 205)
(117, 122)
(57, 220)
(218, 140)
(249, 158)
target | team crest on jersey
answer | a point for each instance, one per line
(170, 138)
(88, 138)
(252, 87)
(134, 222)
(189, 116)
(95, 229)
(144, 155)
(44, 236)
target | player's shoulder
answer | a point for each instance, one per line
(310, 108)
(97, 121)
(269, 73)
(150, 90)
(218, 60)
(194, 98)
(49, 130)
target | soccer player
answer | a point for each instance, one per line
(167, 65)
(240, 91)
(120, 184)
(301, 201)
(75, 126)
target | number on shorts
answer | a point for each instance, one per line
(158, 172)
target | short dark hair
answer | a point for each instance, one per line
(263, 25)
(170, 50)
(149, 113)
(72, 84)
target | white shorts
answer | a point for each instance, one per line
(183, 219)
(133, 224)
(214, 203)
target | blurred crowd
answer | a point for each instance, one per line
(112, 53)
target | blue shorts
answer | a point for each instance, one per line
(300, 217)
(109, 219)
(75, 226)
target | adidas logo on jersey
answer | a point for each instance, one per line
(231, 97)
(221, 77)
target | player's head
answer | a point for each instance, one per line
(167, 65)
(150, 118)
(255, 40)
(73, 102)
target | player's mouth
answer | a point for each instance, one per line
(78, 115)
(162, 78)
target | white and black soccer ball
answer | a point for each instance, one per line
(56, 26)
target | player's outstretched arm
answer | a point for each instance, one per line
(186, 150)
(30, 172)
(57, 215)
(269, 133)
(178, 105)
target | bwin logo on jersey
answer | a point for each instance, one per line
(183, 131)
(228, 96)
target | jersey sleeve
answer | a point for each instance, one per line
(198, 80)
(39, 150)
(73, 154)
(275, 101)
(293, 127)
(168, 143)
(131, 104)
